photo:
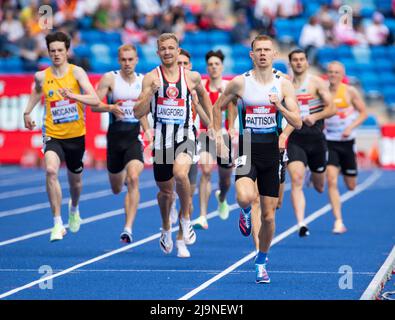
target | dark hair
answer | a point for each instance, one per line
(185, 53)
(295, 51)
(58, 36)
(219, 54)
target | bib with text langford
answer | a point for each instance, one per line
(171, 111)
(64, 111)
(261, 119)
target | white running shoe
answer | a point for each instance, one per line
(173, 212)
(182, 250)
(74, 220)
(166, 242)
(58, 232)
(188, 232)
(201, 223)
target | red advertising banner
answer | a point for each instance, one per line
(18, 144)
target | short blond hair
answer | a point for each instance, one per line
(167, 36)
(262, 37)
(337, 63)
(126, 47)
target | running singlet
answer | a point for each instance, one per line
(214, 95)
(309, 105)
(346, 114)
(126, 94)
(257, 114)
(63, 118)
(171, 108)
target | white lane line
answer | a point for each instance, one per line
(101, 257)
(348, 195)
(84, 197)
(42, 189)
(6, 171)
(382, 276)
(26, 178)
(190, 271)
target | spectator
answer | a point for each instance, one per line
(265, 13)
(11, 28)
(312, 38)
(29, 50)
(148, 7)
(241, 30)
(166, 24)
(289, 8)
(205, 19)
(377, 32)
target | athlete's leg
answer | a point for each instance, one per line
(351, 182)
(54, 191)
(332, 173)
(281, 195)
(318, 180)
(132, 198)
(117, 181)
(75, 184)
(225, 175)
(206, 165)
(297, 172)
(266, 232)
(165, 198)
(256, 219)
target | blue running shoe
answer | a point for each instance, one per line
(245, 223)
(261, 274)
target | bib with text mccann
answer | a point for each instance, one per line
(127, 107)
(64, 111)
(171, 110)
(261, 119)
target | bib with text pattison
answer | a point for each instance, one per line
(261, 119)
(64, 111)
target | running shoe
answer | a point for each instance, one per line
(223, 207)
(245, 223)
(182, 250)
(173, 212)
(126, 237)
(261, 274)
(74, 220)
(339, 227)
(58, 232)
(201, 223)
(188, 233)
(166, 242)
(304, 231)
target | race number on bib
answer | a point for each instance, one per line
(261, 119)
(64, 111)
(127, 108)
(171, 111)
(304, 111)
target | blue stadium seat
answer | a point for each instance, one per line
(196, 38)
(382, 65)
(387, 78)
(384, 6)
(281, 65)
(327, 54)
(85, 23)
(12, 65)
(200, 50)
(218, 37)
(100, 67)
(379, 52)
(367, 12)
(82, 51)
(344, 52)
(112, 38)
(371, 122)
(91, 36)
(199, 65)
(238, 50)
(242, 65)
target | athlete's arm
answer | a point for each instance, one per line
(232, 91)
(231, 117)
(360, 106)
(199, 109)
(329, 107)
(146, 128)
(151, 85)
(34, 98)
(202, 94)
(282, 139)
(291, 109)
(89, 97)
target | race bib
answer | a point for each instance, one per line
(171, 111)
(304, 111)
(127, 108)
(261, 119)
(64, 111)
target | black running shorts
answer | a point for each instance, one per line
(342, 154)
(122, 147)
(312, 152)
(209, 145)
(69, 150)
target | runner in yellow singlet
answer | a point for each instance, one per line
(63, 126)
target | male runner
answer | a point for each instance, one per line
(63, 127)
(261, 94)
(307, 146)
(214, 86)
(340, 134)
(125, 160)
(167, 89)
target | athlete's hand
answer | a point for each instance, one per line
(282, 142)
(155, 85)
(29, 123)
(66, 93)
(309, 120)
(273, 98)
(232, 133)
(148, 137)
(347, 132)
(116, 110)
